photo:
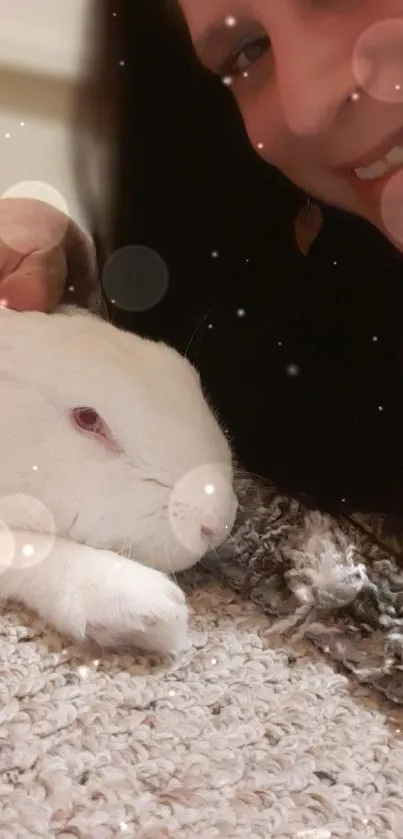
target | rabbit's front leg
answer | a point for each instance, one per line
(87, 593)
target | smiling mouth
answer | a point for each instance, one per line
(385, 159)
(392, 161)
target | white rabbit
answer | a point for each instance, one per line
(114, 473)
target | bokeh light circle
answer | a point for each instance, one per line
(135, 278)
(378, 61)
(30, 226)
(27, 531)
(7, 547)
(200, 495)
(392, 207)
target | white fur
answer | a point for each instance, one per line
(112, 512)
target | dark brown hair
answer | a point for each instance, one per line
(163, 160)
(95, 125)
(100, 128)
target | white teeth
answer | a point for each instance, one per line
(393, 160)
(395, 155)
(369, 173)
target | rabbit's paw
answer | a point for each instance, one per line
(87, 593)
(137, 607)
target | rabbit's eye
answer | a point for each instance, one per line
(86, 419)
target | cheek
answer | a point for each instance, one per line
(273, 141)
(280, 147)
(264, 127)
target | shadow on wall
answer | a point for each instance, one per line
(35, 95)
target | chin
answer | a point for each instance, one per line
(375, 219)
(366, 210)
(397, 243)
(362, 199)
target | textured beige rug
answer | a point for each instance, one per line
(241, 737)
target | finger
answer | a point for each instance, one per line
(37, 284)
(16, 293)
(27, 226)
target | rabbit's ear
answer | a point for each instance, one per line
(72, 310)
(96, 307)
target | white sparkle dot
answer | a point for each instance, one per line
(209, 489)
(247, 259)
(245, 74)
(374, 339)
(96, 662)
(365, 821)
(122, 63)
(214, 254)
(292, 370)
(343, 500)
(123, 826)
(241, 313)
(83, 671)
(397, 87)
(260, 145)
(34, 468)
(214, 661)
(22, 124)
(3, 303)
(209, 326)
(28, 550)
(114, 14)
(71, 288)
(380, 407)
(355, 96)
(227, 80)
(171, 693)
(231, 21)
(280, 344)
(7, 136)
(335, 262)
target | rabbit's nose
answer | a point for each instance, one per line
(202, 509)
(213, 529)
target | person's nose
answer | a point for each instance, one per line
(314, 77)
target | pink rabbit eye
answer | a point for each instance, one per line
(86, 419)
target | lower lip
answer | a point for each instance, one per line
(372, 191)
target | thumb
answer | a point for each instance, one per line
(37, 284)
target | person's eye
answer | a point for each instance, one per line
(247, 55)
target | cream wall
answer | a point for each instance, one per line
(41, 56)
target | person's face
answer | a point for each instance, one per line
(320, 87)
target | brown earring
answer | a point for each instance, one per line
(307, 226)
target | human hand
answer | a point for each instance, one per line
(43, 254)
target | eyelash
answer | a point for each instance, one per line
(262, 44)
